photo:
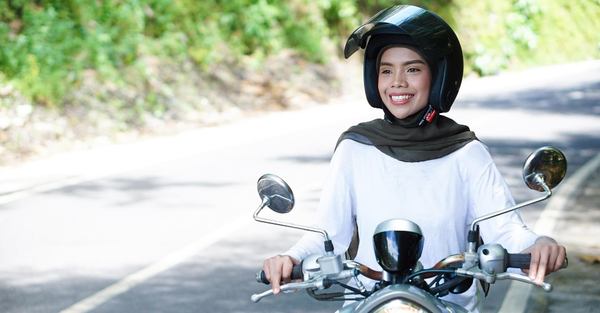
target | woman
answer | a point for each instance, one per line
(414, 163)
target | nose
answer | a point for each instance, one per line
(399, 80)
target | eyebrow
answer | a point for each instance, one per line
(405, 63)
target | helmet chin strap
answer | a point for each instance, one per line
(421, 118)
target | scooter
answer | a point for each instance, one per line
(404, 285)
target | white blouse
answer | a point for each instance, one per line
(443, 196)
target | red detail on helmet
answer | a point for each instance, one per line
(430, 115)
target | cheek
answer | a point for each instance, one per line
(423, 84)
(381, 86)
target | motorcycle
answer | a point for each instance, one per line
(404, 285)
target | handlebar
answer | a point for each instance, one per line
(261, 277)
(447, 266)
(518, 260)
(522, 260)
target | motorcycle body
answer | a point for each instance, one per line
(403, 285)
(401, 298)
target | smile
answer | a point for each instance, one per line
(401, 97)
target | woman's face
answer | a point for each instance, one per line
(404, 80)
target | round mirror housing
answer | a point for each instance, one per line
(545, 165)
(276, 191)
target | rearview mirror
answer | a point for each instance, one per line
(547, 165)
(276, 191)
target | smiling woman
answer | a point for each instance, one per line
(415, 163)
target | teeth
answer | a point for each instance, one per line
(401, 98)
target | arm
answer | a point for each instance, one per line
(335, 214)
(490, 193)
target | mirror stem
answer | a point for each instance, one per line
(539, 180)
(265, 202)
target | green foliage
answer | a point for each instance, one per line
(567, 30)
(48, 45)
(497, 35)
(39, 57)
(370, 7)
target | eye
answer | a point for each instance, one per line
(385, 71)
(413, 70)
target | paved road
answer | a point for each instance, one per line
(179, 208)
(578, 230)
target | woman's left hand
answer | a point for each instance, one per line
(547, 256)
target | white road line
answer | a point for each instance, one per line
(164, 264)
(516, 298)
(152, 270)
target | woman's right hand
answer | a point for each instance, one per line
(278, 269)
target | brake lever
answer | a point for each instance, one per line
(317, 283)
(522, 278)
(289, 288)
(491, 278)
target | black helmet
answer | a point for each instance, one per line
(418, 28)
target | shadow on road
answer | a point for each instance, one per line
(583, 99)
(510, 155)
(220, 279)
(123, 191)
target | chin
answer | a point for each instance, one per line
(400, 115)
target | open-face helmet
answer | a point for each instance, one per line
(422, 30)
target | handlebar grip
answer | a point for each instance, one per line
(261, 277)
(297, 272)
(518, 260)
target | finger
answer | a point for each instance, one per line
(543, 264)
(266, 269)
(275, 275)
(286, 271)
(560, 260)
(553, 259)
(533, 264)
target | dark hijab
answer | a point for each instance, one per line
(400, 141)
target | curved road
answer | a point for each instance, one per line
(164, 225)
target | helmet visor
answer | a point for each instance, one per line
(395, 15)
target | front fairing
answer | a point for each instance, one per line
(407, 293)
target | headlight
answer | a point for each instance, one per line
(398, 245)
(400, 306)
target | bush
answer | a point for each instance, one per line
(497, 35)
(47, 45)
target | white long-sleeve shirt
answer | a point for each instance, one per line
(443, 196)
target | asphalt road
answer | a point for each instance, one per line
(176, 212)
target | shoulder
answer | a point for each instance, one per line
(474, 159)
(350, 145)
(350, 151)
(475, 151)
